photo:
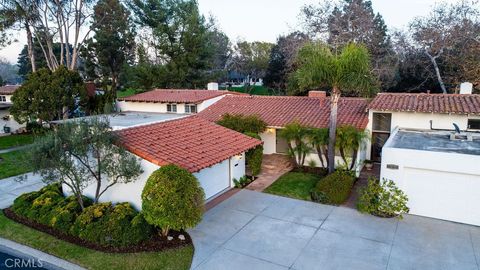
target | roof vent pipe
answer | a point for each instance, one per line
(466, 88)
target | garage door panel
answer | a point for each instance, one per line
(443, 195)
(214, 179)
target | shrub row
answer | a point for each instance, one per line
(103, 224)
(334, 188)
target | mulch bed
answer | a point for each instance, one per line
(155, 243)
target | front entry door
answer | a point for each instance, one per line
(281, 143)
(378, 140)
(381, 127)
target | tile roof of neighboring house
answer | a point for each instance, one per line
(8, 89)
(427, 103)
(280, 111)
(191, 142)
(176, 95)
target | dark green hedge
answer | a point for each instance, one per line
(103, 224)
(334, 188)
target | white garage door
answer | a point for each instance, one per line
(215, 179)
(443, 195)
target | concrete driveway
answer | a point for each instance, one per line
(253, 230)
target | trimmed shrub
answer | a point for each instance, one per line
(334, 188)
(254, 157)
(109, 225)
(243, 123)
(49, 207)
(172, 199)
(382, 198)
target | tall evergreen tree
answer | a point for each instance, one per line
(181, 40)
(114, 40)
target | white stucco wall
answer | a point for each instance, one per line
(438, 184)
(8, 98)
(213, 180)
(157, 107)
(415, 120)
(269, 141)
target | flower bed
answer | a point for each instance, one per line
(102, 227)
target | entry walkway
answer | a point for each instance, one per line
(273, 166)
(253, 230)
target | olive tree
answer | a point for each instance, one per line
(83, 152)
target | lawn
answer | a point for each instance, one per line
(257, 90)
(173, 259)
(295, 185)
(15, 140)
(126, 93)
(12, 163)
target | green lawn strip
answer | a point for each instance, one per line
(172, 259)
(126, 93)
(257, 90)
(12, 164)
(15, 140)
(294, 185)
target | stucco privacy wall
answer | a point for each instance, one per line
(416, 120)
(158, 107)
(213, 180)
(438, 184)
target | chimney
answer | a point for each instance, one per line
(90, 89)
(466, 88)
(317, 94)
(212, 86)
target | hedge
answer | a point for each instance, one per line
(102, 224)
(334, 188)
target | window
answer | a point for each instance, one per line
(190, 108)
(473, 124)
(382, 122)
(171, 107)
(3, 98)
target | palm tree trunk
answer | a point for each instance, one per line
(320, 155)
(354, 159)
(335, 96)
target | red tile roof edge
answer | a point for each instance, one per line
(8, 89)
(196, 101)
(161, 162)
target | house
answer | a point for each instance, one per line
(432, 161)
(237, 79)
(214, 154)
(278, 111)
(183, 101)
(7, 123)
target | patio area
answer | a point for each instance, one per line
(253, 230)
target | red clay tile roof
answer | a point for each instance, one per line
(8, 89)
(427, 103)
(280, 111)
(191, 142)
(176, 95)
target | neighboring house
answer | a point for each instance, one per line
(237, 79)
(214, 154)
(278, 111)
(7, 123)
(438, 168)
(171, 101)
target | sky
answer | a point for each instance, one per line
(265, 20)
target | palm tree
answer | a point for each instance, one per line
(319, 139)
(348, 142)
(350, 71)
(295, 134)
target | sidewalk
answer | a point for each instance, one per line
(11, 189)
